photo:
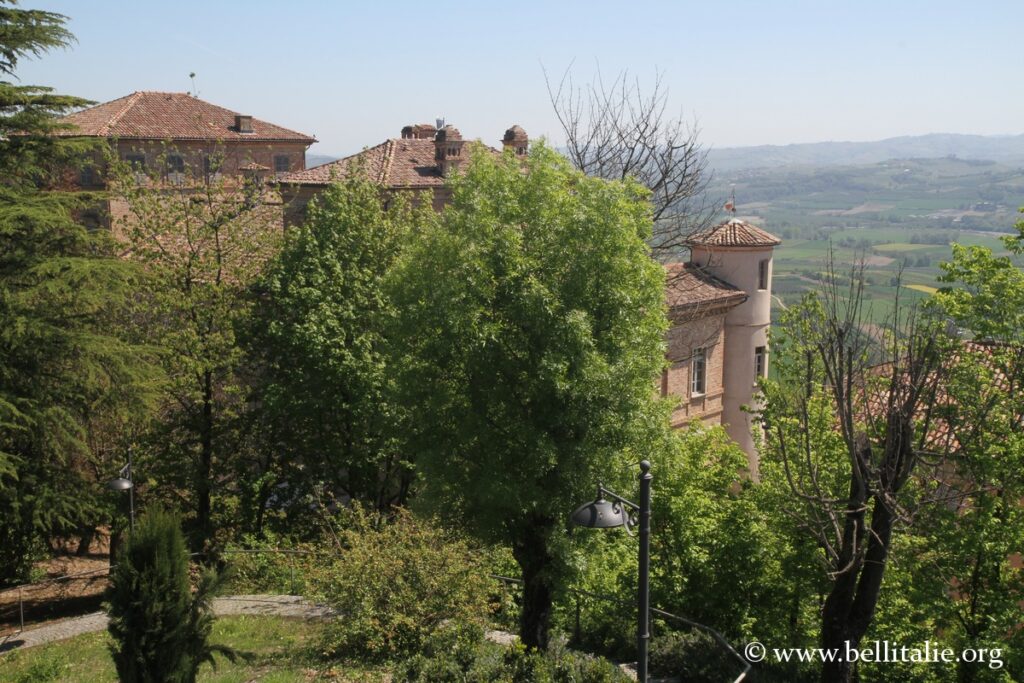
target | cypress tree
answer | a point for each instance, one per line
(160, 628)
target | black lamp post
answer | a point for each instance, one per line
(602, 514)
(124, 482)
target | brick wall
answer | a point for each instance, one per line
(683, 337)
(232, 155)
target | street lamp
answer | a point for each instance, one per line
(605, 514)
(124, 482)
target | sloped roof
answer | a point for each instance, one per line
(688, 285)
(394, 163)
(171, 116)
(734, 233)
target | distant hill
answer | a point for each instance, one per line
(318, 160)
(1003, 148)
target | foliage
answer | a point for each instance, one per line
(65, 364)
(257, 566)
(849, 445)
(201, 242)
(160, 628)
(531, 376)
(395, 583)
(715, 557)
(317, 335)
(462, 656)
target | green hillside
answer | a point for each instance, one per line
(899, 216)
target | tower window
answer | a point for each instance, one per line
(698, 372)
(760, 361)
(762, 274)
(282, 164)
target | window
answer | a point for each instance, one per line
(698, 371)
(88, 177)
(136, 161)
(664, 383)
(760, 362)
(175, 168)
(762, 274)
(175, 163)
(211, 167)
(282, 163)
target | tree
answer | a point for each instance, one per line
(160, 628)
(318, 338)
(530, 325)
(201, 242)
(617, 131)
(972, 541)
(65, 366)
(852, 441)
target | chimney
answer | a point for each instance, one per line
(243, 123)
(419, 131)
(448, 149)
(517, 140)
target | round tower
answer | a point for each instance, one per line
(741, 254)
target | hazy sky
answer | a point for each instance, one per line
(749, 72)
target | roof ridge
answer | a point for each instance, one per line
(389, 157)
(112, 121)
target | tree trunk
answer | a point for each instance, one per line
(531, 553)
(86, 534)
(204, 471)
(850, 607)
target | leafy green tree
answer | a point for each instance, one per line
(318, 343)
(530, 325)
(65, 364)
(974, 540)
(159, 626)
(202, 242)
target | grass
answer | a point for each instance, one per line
(276, 650)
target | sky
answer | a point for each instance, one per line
(745, 72)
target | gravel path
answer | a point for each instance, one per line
(278, 605)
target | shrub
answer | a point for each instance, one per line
(462, 656)
(396, 583)
(257, 568)
(160, 628)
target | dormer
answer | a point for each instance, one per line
(243, 123)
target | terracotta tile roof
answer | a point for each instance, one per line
(734, 233)
(688, 285)
(171, 116)
(394, 163)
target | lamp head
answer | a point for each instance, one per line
(119, 484)
(600, 514)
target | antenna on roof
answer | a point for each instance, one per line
(192, 77)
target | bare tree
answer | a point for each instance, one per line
(853, 425)
(616, 130)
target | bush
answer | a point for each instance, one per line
(398, 582)
(462, 656)
(257, 568)
(160, 628)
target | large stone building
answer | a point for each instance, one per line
(188, 136)
(417, 161)
(719, 301)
